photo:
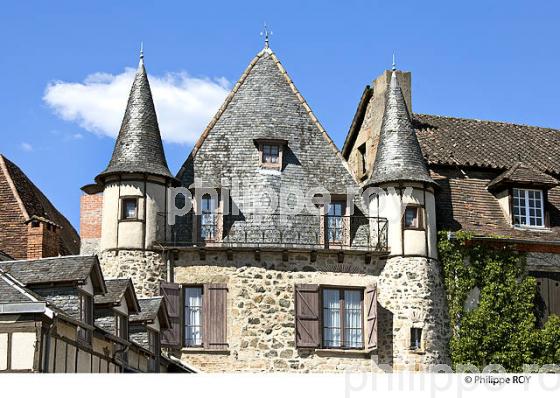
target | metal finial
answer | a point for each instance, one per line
(266, 34)
(141, 50)
(394, 63)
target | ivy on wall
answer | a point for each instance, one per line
(491, 306)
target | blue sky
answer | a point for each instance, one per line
(63, 66)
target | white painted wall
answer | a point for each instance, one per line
(23, 350)
(3, 351)
(129, 234)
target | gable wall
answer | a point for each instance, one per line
(13, 231)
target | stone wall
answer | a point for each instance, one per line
(145, 268)
(411, 289)
(260, 308)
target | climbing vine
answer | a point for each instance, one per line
(491, 306)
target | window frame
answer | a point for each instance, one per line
(123, 200)
(280, 144)
(362, 160)
(342, 290)
(543, 199)
(185, 318)
(419, 219)
(214, 212)
(121, 326)
(85, 308)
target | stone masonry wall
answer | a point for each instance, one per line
(260, 308)
(411, 289)
(145, 268)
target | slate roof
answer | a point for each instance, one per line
(116, 289)
(265, 103)
(520, 173)
(36, 204)
(56, 270)
(4, 256)
(12, 292)
(398, 157)
(150, 309)
(497, 145)
(138, 148)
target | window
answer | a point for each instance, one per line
(121, 326)
(153, 341)
(86, 316)
(415, 338)
(528, 207)
(362, 159)
(193, 316)
(208, 218)
(413, 217)
(547, 300)
(270, 154)
(34, 224)
(130, 208)
(335, 225)
(342, 318)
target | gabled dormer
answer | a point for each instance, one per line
(522, 192)
(113, 309)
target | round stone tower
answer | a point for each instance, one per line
(410, 286)
(135, 186)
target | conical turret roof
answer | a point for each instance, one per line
(399, 157)
(138, 148)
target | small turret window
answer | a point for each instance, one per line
(130, 208)
(413, 217)
(415, 338)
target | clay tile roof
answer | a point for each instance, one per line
(138, 148)
(520, 173)
(469, 142)
(56, 270)
(399, 157)
(37, 206)
(116, 290)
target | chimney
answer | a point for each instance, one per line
(91, 205)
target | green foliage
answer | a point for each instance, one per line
(500, 327)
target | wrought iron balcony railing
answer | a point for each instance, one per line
(356, 232)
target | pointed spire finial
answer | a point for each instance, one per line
(141, 50)
(266, 33)
(394, 63)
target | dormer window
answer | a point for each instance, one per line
(270, 153)
(528, 208)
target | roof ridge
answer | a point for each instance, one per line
(48, 258)
(485, 121)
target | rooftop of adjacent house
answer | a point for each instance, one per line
(116, 290)
(150, 309)
(56, 270)
(36, 205)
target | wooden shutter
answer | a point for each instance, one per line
(171, 293)
(307, 316)
(214, 315)
(371, 317)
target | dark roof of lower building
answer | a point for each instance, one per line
(479, 143)
(116, 290)
(56, 270)
(37, 205)
(12, 292)
(150, 309)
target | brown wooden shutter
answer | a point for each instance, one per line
(171, 292)
(371, 317)
(214, 314)
(307, 316)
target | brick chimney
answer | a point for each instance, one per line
(91, 205)
(43, 239)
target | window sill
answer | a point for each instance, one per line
(201, 350)
(417, 351)
(339, 352)
(532, 229)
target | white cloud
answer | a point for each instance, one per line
(26, 146)
(184, 104)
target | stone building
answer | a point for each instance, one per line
(31, 227)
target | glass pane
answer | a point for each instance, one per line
(353, 319)
(331, 318)
(410, 217)
(130, 208)
(193, 316)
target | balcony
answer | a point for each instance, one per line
(275, 231)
